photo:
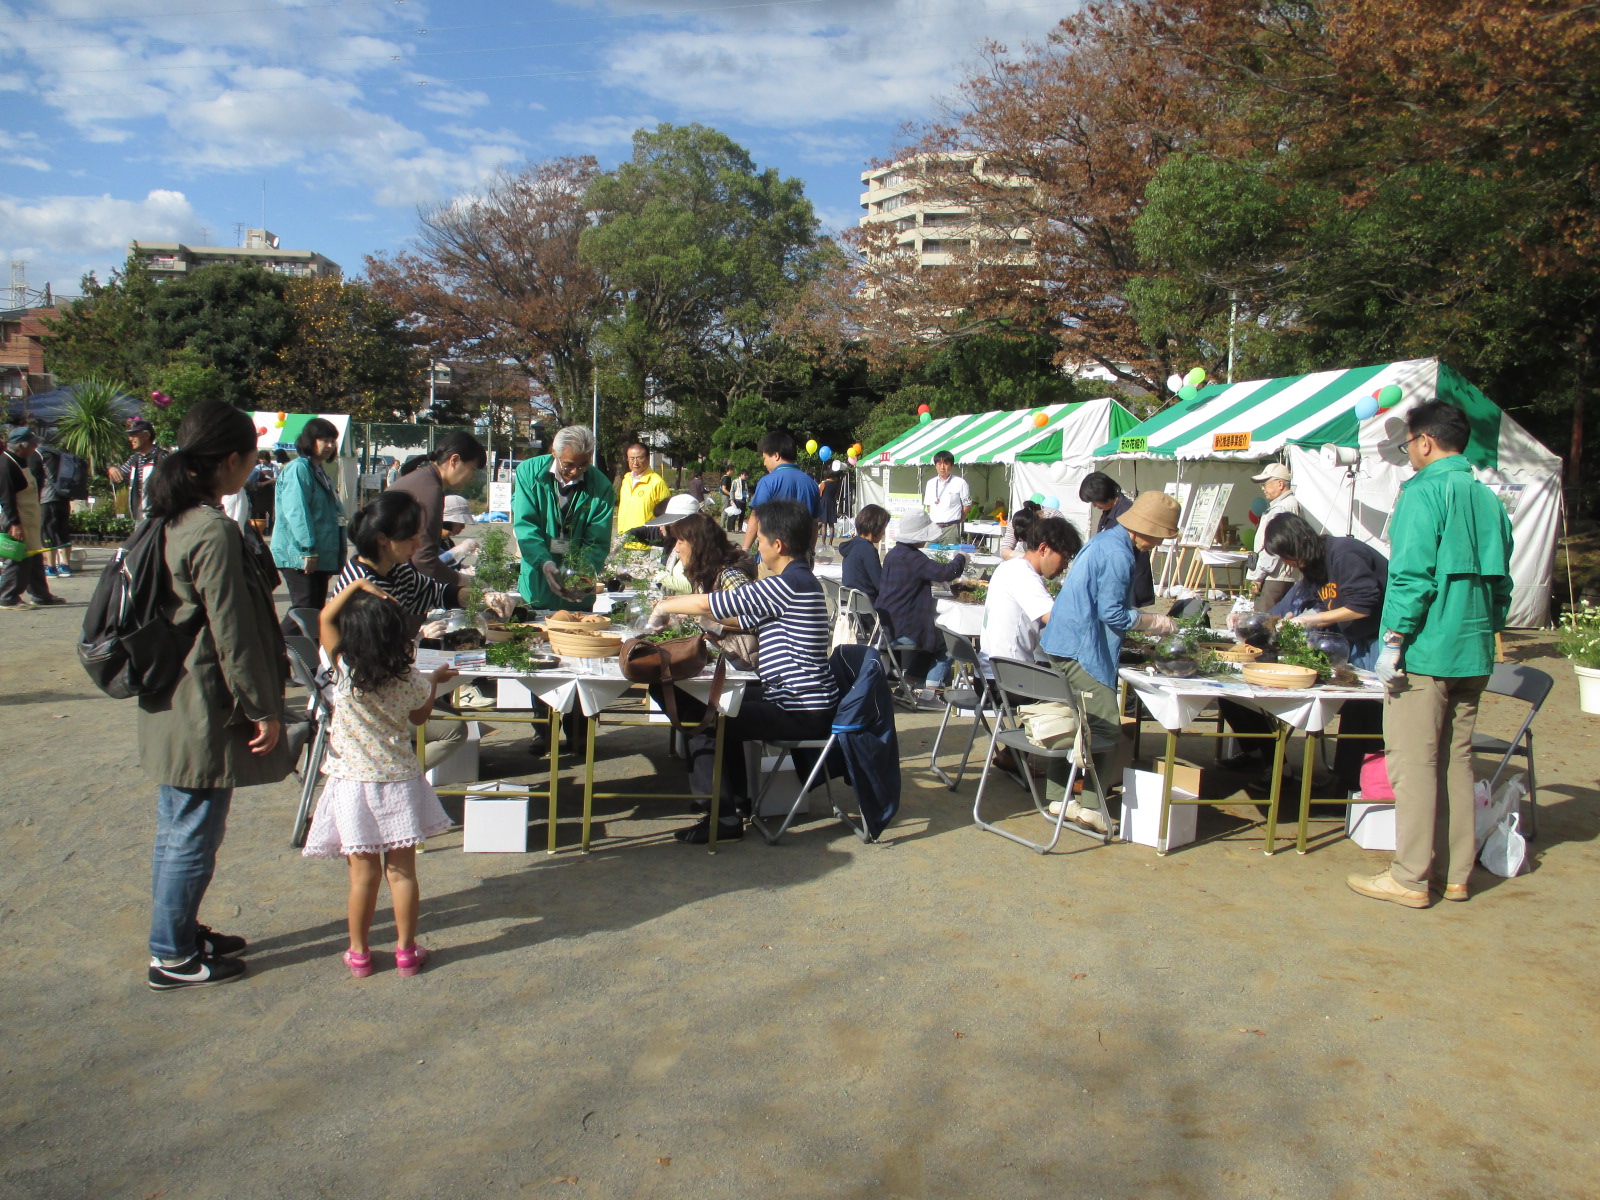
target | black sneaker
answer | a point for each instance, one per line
(218, 945)
(699, 834)
(197, 971)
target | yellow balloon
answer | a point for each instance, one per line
(811, 446)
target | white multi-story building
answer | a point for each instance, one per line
(937, 229)
(171, 260)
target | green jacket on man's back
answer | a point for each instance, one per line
(1449, 570)
(537, 519)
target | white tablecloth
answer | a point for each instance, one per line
(1223, 558)
(965, 619)
(1175, 703)
(984, 528)
(828, 570)
(592, 692)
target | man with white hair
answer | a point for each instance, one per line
(561, 511)
(1273, 578)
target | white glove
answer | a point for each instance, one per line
(1388, 667)
(1155, 623)
(502, 604)
(658, 620)
(552, 578)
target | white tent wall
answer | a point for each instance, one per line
(1060, 480)
(899, 488)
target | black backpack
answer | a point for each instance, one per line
(129, 647)
(72, 478)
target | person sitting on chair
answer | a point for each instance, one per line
(905, 598)
(796, 696)
(863, 568)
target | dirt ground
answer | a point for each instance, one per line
(946, 1014)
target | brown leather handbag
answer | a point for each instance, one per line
(644, 661)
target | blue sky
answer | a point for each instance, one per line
(163, 119)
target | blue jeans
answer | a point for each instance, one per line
(189, 826)
(938, 672)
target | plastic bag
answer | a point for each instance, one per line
(1048, 724)
(1504, 851)
(1489, 809)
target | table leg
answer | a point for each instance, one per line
(716, 785)
(1308, 762)
(555, 775)
(588, 783)
(1166, 793)
(1279, 745)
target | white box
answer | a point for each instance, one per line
(493, 822)
(1370, 826)
(780, 795)
(512, 694)
(1141, 811)
(460, 765)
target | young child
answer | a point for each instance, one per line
(376, 806)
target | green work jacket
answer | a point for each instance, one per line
(1449, 571)
(536, 518)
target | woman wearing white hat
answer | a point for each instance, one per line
(1271, 575)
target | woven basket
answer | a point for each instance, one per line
(1233, 652)
(585, 645)
(1279, 675)
(579, 623)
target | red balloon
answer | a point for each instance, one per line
(1255, 518)
(922, 408)
(261, 431)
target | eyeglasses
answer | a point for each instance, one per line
(571, 466)
(1411, 439)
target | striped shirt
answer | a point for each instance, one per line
(793, 632)
(414, 590)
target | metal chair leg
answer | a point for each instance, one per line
(315, 752)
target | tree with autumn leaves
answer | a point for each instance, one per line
(1327, 182)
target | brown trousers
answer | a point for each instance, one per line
(1427, 737)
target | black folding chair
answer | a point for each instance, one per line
(969, 688)
(867, 622)
(310, 622)
(303, 665)
(1029, 682)
(1530, 685)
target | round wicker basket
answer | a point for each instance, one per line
(579, 623)
(1279, 675)
(1233, 652)
(585, 645)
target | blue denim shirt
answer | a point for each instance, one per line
(1095, 608)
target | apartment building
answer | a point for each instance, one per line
(929, 223)
(22, 370)
(172, 260)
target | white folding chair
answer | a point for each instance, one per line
(969, 688)
(1030, 682)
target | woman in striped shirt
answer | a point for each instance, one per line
(386, 534)
(797, 696)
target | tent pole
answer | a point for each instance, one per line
(1233, 321)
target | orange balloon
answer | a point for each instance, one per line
(1041, 419)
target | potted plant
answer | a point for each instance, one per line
(1579, 640)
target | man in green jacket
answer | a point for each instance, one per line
(1449, 591)
(561, 510)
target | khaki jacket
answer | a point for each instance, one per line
(234, 671)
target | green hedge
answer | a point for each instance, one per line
(102, 522)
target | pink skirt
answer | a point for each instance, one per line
(354, 817)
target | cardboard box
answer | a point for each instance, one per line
(1185, 775)
(494, 819)
(1141, 810)
(1370, 826)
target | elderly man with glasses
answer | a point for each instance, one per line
(561, 511)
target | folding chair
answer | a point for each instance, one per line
(867, 622)
(1530, 685)
(303, 666)
(866, 710)
(310, 622)
(969, 689)
(1030, 682)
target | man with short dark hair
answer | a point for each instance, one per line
(136, 471)
(1448, 595)
(1102, 493)
(22, 580)
(947, 498)
(783, 481)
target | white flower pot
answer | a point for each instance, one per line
(1588, 689)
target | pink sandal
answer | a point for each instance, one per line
(360, 964)
(409, 962)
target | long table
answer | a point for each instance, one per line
(1175, 703)
(592, 685)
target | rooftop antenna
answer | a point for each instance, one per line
(19, 283)
(263, 203)
(238, 233)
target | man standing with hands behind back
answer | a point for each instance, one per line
(1449, 591)
(947, 498)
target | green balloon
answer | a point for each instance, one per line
(1038, 498)
(924, 418)
(1389, 395)
(1188, 392)
(1195, 377)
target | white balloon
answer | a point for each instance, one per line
(1174, 382)
(1060, 472)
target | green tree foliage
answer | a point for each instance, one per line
(345, 353)
(185, 380)
(107, 331)
(734, 441)
(703, 255)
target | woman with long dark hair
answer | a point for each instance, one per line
(220, 726)
(711, 563)
(453, 463)
(307, 541)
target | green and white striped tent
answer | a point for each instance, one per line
(1002, 455)
(1347, 473)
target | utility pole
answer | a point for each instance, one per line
(1233, 321)
(594, 419)
(432, 370)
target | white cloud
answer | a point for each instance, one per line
(22, 150)
(61, 237)
(600, 133)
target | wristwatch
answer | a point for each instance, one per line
(1394, 639)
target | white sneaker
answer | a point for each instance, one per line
(1054, 808)
(1089, 818)
(468, 696)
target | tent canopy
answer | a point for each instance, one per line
(1257, 419)
(994, 437)
(46, 408)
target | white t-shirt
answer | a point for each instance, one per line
(946, 499)
(1017, 602)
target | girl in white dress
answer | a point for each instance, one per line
(376, 807)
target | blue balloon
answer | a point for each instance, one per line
(825, 454)
(1366, 408)
(1053, 502)
(1259, 506)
